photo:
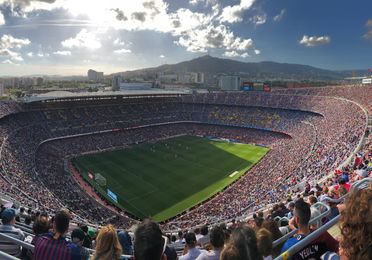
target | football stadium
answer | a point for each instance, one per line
(188, 161)
(185, 130)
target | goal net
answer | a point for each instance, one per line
(100, 179)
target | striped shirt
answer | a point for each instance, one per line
(48, 248)
(8, 246)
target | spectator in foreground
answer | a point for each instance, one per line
(217, 237)
(125, 242)
(356, 226)
(7, 228)
(87, 240)
(319, 246)
(265, 243)
(273, 228)
(314, 212)
(242, 245)
(170, 251)
(190, 252)
(202, 241)
(54, 244)
(39, 228)
(107, 245)
(149, 243)
(77, 237)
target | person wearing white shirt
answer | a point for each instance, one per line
(190, 252)
(217, 240)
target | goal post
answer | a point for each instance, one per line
(100, 179)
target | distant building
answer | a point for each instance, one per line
(198, 77)
(116, 81)
(367, 81)
(95, 76)
(38, 81)
(1, 89)
(167, 78)
(100, 76)
(229, 83)
(185, 78)
(135, 86)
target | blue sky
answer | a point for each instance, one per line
(68, 37)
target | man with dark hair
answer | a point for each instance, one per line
(205, 236)
(28, 221)
(301, 219)
(77, 237)
(87, 240)
(54, 245)
(217, 240)
(22, 212)
(190, 252)
(7, 228)
(149, 243)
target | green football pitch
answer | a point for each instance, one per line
(163, 179)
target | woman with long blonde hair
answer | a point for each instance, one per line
(107, 245)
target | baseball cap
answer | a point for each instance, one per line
(8, 215)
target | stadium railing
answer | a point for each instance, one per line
(362, 184)
(17, 241)
(5, 256)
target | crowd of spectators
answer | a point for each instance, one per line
(56, 235)
(318, 134)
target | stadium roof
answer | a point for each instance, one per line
(67, 94)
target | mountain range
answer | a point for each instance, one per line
(255, 70)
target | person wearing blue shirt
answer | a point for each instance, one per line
(315, 249)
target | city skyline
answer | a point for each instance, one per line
(66, 37)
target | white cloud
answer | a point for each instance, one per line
(62, 53)
(312, 41)
(235, 13)
(83, 39)
(122, 51)
(162, 56)
(207, 2)
(368, 34)
(194, 30)
(17, 58)
(7, 62)
(2, 19)
(217, 37)
(279, 17)
(8, 41)
(258, 19)
(30, 54)
(7, 45)
(118, 42)
(232, 54)
(257, 52)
